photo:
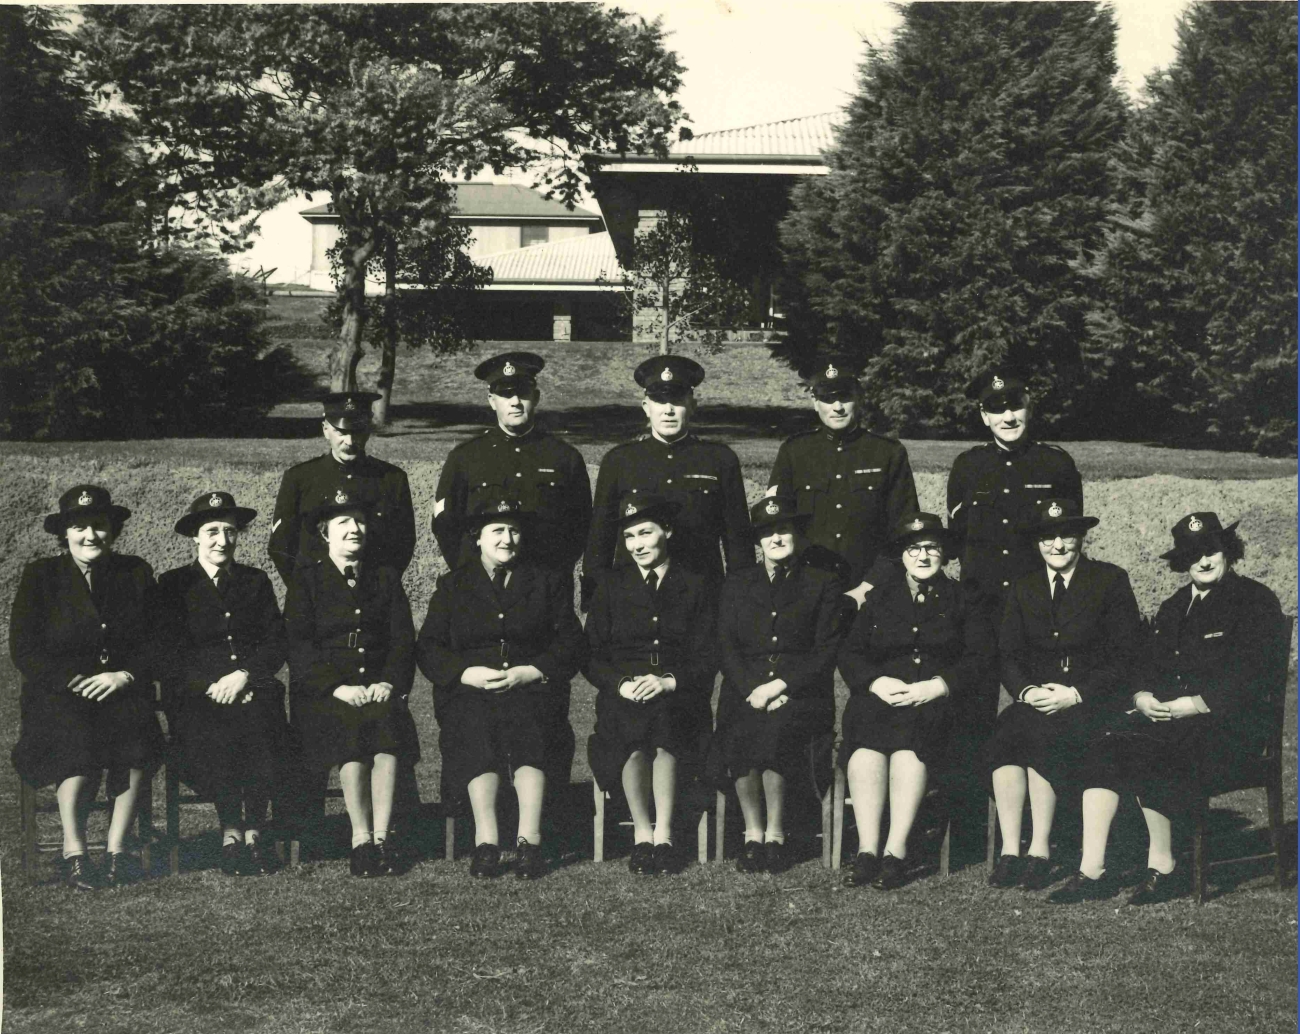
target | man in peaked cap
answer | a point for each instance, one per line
(702, 478)
(382, 487)
(517, 459)
(852, 484)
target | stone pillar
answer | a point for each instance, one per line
(562, 319)
(645, 328)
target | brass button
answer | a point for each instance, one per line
(357, 611)
(839, 506)
(1005, 552)
(500, 615)
(361, 649)
(774, 639)
(233, 657)
(362, 670)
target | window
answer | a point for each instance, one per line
(533, 234)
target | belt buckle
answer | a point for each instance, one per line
(654, 658)
(772, 658)
(352, 640)
(505, 650)
(103, 656)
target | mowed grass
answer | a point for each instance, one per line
(589, 948)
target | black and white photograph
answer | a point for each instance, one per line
(668, 516)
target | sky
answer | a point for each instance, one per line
(753, 61)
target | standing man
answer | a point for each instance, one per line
(853, 485)
(701, 478)
(548, 478)
(382, 487)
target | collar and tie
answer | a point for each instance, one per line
(350, 573)
(499, 579)
(652, 580)
(1059, 590)
(221, 580)
(1196, 598)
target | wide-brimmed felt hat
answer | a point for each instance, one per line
(636, 507)
(999, 388)
(833, 382)
(1197, 535)
(916, 525)
(774, 509)
(510, 373)
(341, 501)
(497, 507)
(84, 501)
(213, 506)
(668, 378)
(1060, 516)
(349, 410)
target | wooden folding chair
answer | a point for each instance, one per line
(601, 797)
(841, 799)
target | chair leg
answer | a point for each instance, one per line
(1274, 789)
(449, 838)
(945, 848)
(598, 823)
(172, 804)
(719, 827)
(144, 826)
(837, 817)
(991, 846)
(1200, 852)
(27, 806)
(295, 852)
(827, 825)
(702, 838)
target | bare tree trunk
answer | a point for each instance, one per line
(352, 292)
(388, 357)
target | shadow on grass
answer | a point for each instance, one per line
(1239, 853)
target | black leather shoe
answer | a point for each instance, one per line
(79, 874)
(364, 861)
(665, 859)
(642, 860)
(1037, 874)
(1006, 873)
(119, 869)
(528, 860)
(486, 863)
(258, 862)
(1159, 886)
(892, 875)
(751, 857)
(232, 859)
(1080, 888)
(866, 867)
(775, 857)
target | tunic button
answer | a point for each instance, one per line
(670, 455)
(838, 476)
(655, 618)
(839, 506)
(518, 474)
(916, 660)
(233, 657)
(362, 670)
(1005, 552)
(670, 481)
(105, 626)
(361, 649)
(227, 613)
(770, 674)
(516, 448)
(807, 488)
(1005, 584)
(1176, 653)
(1006, 491)
(773, 613)
(1056, 635)
(774, 639)
(838, 535)
(500, 615)
(656, 642)
(357, 611)
(1008, 463)
(230, 638)
(1004, 520)
(915, 629)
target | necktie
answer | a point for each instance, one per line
(778, 574)
(652, 580)
(350, 573)
(1058, 594)
(1195, 599)
(90, 582)
(499, 579)
(220, 580)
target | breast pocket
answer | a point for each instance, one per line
(483, 489)
(701, 494)
(548, 492)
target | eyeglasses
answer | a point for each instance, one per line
(929, 549)
(1066, 540)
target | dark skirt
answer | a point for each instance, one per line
(1166, 765)
(330, 732)
(232, 749)
(64, 735)
(484, 732)
(781, 741)
(872, 724)
(625, 726)
(1053, 745)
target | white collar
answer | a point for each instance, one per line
(676, 441)
(340, 564)
(1068, 576)
(211, 571)
(659, 571)
(491, 569)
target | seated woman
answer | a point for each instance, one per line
(499, 642)
(79, 635)
(351, 665)
(223, 642)
(1201, 704)
(650, 628)
(913, 644)
(1066, 648)
(779, 626)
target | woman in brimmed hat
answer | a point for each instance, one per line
(651, 631)
(1067, 649)
(1216, 653)
(222, 642)
(79, 634)
(915, 643)
(351, 664)
(499, 642)
(779, 626)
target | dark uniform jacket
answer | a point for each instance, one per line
(894, 636)
(702, 477)
(1228, 650)
(856, 485)
(530, 622)
(340, 636)
(1090, 646)
(204, 635)
(990, 491)
(633, 632)
(390, 531)
(548, 476)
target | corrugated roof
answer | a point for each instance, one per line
(496, 201)
(790, 138)
(576, 260)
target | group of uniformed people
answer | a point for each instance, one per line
(850, 575)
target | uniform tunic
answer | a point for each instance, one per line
(57, 630)
(767, 631)
(548, 476)
(633, 631)
(205, 635)
(703, 478)
(897, 636)
(856, 486)
(380, 486)
(470, 623)
(1230, 651)
(341, 636)
(1091, 645)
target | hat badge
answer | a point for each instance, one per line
(667, 375)
(214, 501)
(503, 507)
(998, 383)
(773, 507)
(84, 499)
(1194, 524)
(831, 372)
(340, 496)
(350, 405)
(508, 370)
(1054, 510)
(631, 509)
(917, 524)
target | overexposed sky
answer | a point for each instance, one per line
(752, 61)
